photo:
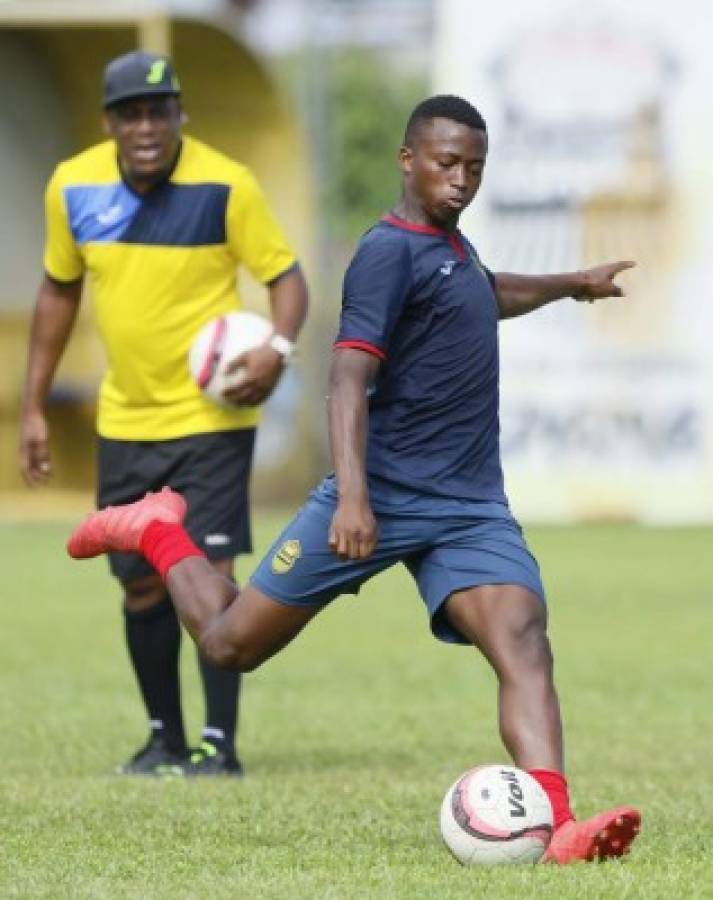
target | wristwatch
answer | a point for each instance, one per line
(283, 346)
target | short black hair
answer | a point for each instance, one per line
(444, 106)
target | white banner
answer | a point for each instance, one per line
(601, 148)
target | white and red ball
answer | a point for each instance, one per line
(218, 343)
(496, 814)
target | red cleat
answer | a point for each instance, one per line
(121, 527)
(609, 834)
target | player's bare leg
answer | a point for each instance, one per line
(508, 623)
(238, 631)
(234, 630)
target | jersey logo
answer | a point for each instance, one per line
(216, 540)
(110, 216)
(447, 266)
(286, 557)
(155, 73)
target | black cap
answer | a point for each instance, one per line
(139, 74)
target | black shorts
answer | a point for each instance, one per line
(212, 471)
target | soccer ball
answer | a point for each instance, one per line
(496, 814)
(217, 344)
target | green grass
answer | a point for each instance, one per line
(352, 735)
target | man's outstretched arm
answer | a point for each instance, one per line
(353, 531)
(521, 294)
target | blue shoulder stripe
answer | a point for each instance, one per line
(100, 212)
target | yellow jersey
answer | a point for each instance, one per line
(160, 265)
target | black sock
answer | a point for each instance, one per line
(221, 688)
(153, 637)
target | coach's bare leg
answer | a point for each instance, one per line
(508, 624)
(237, 630)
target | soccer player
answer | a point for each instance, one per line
(413, 422)
(160, 223)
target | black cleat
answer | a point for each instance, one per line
(210, 759)
(155, 758)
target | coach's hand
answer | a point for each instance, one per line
(35, 464)
(598, 282)
(262, 368)
(353, 532)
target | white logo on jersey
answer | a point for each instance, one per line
(447, 267)
(110, 216)
(216, 540)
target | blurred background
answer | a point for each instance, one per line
(601, 146)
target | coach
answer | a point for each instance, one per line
(161, 222)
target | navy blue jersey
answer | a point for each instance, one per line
(419, 299)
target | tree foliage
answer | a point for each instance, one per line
(368, 104)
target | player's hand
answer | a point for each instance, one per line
(261, 370)
(353, 532)
(35, 463)
(598, 282)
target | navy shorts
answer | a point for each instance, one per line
(212, 471)
(480, 544)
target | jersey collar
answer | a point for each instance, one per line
(453, 237)
(398, 222)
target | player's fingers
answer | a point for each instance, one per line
(356, 544)
(367, 543)
(332, 538)
(366, 548)
(622, 265)
(341, 545)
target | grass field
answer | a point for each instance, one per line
(352, 735)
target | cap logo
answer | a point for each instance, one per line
(156, 72)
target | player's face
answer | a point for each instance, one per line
(443, 168)
(147, 133)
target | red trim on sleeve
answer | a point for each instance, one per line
(360, 345)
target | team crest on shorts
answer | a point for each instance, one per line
(286, 557)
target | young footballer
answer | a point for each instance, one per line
(413, 423)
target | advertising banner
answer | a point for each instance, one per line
(601, 148)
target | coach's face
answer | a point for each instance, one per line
(147, 132)
(443, 168)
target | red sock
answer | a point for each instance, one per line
(165, 544)
(554, 784)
